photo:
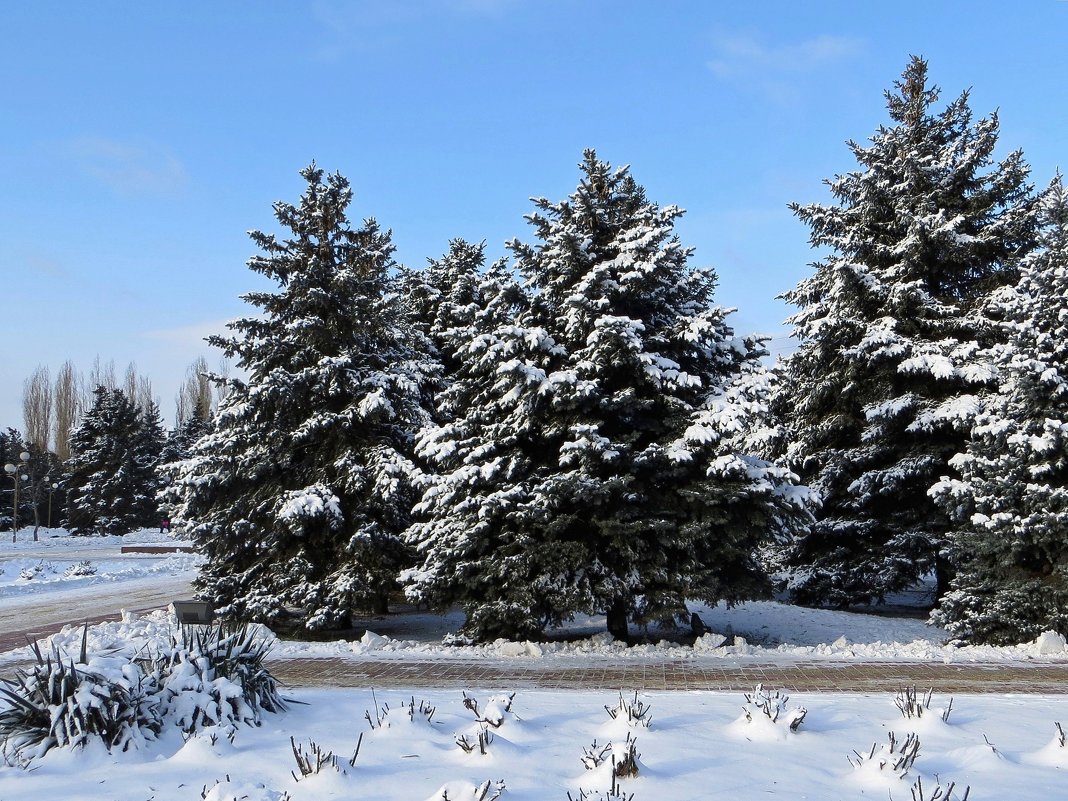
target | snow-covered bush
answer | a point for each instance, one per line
(39, 568)
(938, 793)
(216, 676)
(316, 759)
(893, 758)
(764, 703)
(497, 709)
(227, 790)
(614, 794)
(912, 705)
(635, 713)
(610, 763)
(67, 705)
(83, 568)
(465, 791)
(482, 743)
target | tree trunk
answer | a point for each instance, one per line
(945, 572)
(617, 619)
(381, 605)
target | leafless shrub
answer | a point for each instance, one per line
(773, 707)
(636, 712)
(913, 705)
(891, 758)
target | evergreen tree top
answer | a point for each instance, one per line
(329, 275)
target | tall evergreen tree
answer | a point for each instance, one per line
(595, 459)
(884, 383)
(1010, 504)
(110, 480)
(298, 494)
(446, 296)
(179, 442)
(148, 447)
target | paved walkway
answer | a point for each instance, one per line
(695, 674)
(643, 674)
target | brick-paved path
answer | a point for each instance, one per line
(703, 673)
(695, 674)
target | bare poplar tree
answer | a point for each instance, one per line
(100, 375)
(66, 408)
(145, 397)
(129, 382)
(195, 393)
(37, 408)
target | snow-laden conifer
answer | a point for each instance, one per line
(111, 480)
(885, 383)
(298, 494)
(593, 454)
(1010, 504)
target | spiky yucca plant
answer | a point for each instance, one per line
(57, 704)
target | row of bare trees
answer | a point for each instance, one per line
(52, 407)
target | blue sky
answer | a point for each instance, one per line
(141, 141)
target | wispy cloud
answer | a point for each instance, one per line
(779, 70)
(128, 168)
(350, 25)
(188, 335)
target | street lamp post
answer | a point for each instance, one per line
(14, 471)
(51, 488)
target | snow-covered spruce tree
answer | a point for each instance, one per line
(148, 449)
(1010, 504)
(446, 296)
(593, 456)
(179, 442)
(298, 494)
(111, 480)
(883, 385)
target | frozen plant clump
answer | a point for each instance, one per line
(316, 759)
(635, 713)
(892, 759)
(227, 790)
(83, 568)
(938, 793)
(762, 703)
(217, 677)
(614, 794)
(464, 791)
(30, 573)
(424, 711)
(482, 743)
(67, 706)
(497, 709)
(912, 705)
(607, 765)
(1059, 737)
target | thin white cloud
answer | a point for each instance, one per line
(128, 168)
(191, 335)
(779, 70)
(350, 25)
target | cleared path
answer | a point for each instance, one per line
(678, 675)
(39, 615)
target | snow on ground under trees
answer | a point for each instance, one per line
(698, 744)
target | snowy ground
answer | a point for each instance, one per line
(759, 631)
(45, 583)
(56, 562)
(698, 746)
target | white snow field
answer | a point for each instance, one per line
(699, 745)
